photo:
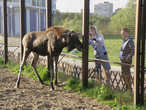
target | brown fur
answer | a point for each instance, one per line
(48, 43)
(58, 31)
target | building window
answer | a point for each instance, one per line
(43, 2)
(28, 1)
(15, 0)
(34, 2)
(9, 0)
(38, 2)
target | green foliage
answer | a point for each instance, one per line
(28, 71)
(100, 21)
(104, 92)
(94, 90)
(115, 99)
(113, 45)
(131, 4)
(124, 17)
(1, 61)
(74, 21)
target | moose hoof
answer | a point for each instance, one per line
(52, 86)
(16, 86)
(42, 83)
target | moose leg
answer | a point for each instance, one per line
(25, 55)
(52, 71)
(48, 67)
(56, 69)
(33, 64)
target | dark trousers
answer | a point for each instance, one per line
(126, 76)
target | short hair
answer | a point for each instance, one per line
(126, 30)
(92, 27)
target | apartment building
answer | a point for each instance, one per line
(35, 13)
(104, 9)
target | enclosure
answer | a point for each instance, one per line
(109, 24)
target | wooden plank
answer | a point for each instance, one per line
(85, 43)
(137, 61)
(5, 31)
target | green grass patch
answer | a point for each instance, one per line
(113, 45)
(28, 71)
(116, 99)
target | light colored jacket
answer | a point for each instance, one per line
(98, 45)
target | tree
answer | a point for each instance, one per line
(124, 18)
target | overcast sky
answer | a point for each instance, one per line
(77, 5)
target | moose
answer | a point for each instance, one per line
(48, 43)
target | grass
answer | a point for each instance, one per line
(113, 45)
(115, 99)
(28, 71)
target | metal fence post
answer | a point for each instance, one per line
(48, 13)
(85, 43)
(48, 24)
(5, 31)
(22, 25)
(140, 52)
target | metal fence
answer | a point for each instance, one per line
(74, 69)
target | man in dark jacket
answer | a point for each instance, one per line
(126, 54)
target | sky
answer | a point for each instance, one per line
(77, 5)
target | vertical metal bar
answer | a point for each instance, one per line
(48, 13)
(85, 43)
(136, 75)
(143, 35)
(5, 31)
(140, 53)
(22, 25)
(48, 24)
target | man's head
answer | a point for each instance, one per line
(125, 33)
(93, 30)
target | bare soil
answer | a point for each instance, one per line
(33, 96)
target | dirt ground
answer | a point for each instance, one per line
(33, 96)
